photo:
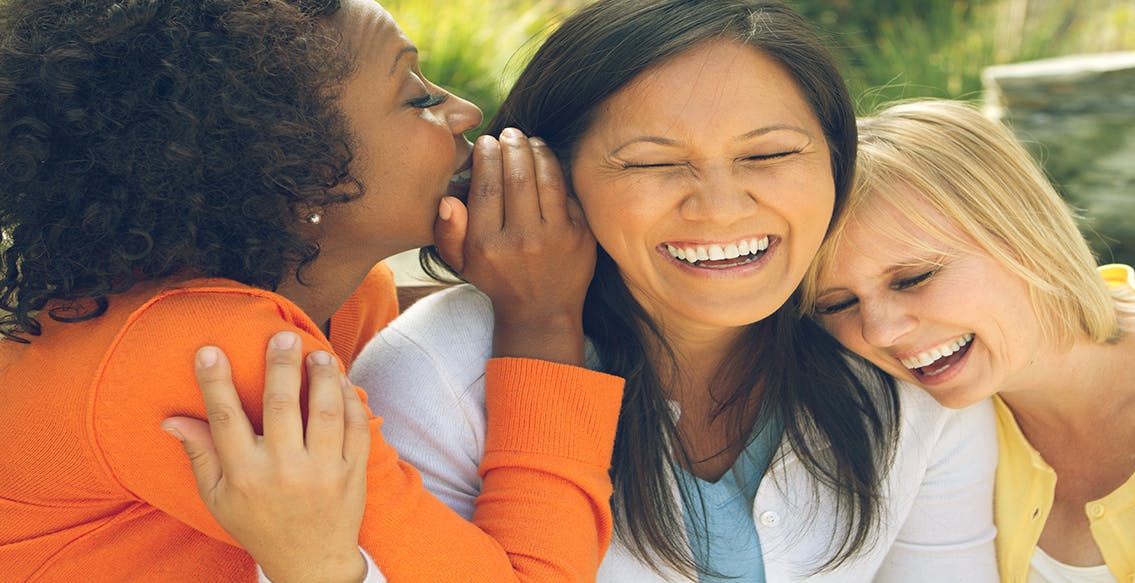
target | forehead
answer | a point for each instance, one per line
(881, 235)
(369, 32)
(718, 80)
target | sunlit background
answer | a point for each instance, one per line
(890, 49)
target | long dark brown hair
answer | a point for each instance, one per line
(841, 425)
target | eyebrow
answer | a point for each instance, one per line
(746, 136)
(406, 50)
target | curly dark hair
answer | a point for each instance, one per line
(143, 139)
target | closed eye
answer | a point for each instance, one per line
(833, 309)
(658, 165)
(772, 156)
(429, 100)
(913, 281)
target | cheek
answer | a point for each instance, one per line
(844, 330)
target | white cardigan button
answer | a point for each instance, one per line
(770, 518)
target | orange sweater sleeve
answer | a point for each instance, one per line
(544, 512)
(545, 515)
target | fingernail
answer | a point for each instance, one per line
(486, 143)
(537, 142)
(284, 340)
(444, 211)
(511, 134)
(207, 357)
(174, 432)
(320, 357)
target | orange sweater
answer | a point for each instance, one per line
(93, 490)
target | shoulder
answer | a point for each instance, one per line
(936, 432)
(446, 336)
(147, 373)
(462, 309)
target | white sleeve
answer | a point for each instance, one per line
(373, 574)
(948, 534)
(424, 375)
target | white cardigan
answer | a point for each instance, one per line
(425, 374)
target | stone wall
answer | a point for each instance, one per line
(1077, 116)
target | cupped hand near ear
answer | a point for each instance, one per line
(525, 243)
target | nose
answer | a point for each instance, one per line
(885, 322)
(461, 115)
(718, 195)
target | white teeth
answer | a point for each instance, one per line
(930, 356)
(719, 252)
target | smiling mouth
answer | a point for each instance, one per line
(720, 255)
(937, 360)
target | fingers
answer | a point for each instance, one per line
(356, 426)
(521, 200)
(231, 430)
(283, 376)
(324, 406)
(551, 190)
(449, 232)
(198, 443)
(486, 197)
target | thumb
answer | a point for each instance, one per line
(449, 232)
(195, 437)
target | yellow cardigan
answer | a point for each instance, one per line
(1025, 489)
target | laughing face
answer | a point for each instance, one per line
(946, 316)
(708, 181)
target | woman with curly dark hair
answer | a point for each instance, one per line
(188, 173)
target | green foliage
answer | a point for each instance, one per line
(477, 48)
(894, 49)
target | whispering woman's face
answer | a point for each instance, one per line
(408, 134)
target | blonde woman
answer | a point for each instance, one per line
(959, 268)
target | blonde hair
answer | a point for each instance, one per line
(974, 172)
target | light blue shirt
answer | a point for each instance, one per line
(726, 508)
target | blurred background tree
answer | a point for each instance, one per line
(895, 49)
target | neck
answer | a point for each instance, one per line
(698, 357)
(328, 282)
(1067, 391)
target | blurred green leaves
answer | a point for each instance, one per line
(891, 49)
(476, 48)
(896, 49)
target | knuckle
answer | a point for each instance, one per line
(518, 178)
(278, 402)
(325, 412)
(222, 415)
(485, 191)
